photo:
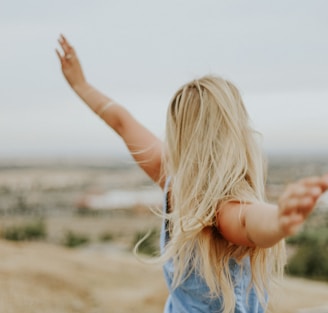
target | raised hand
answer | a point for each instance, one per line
(298, 201)
(70, 64)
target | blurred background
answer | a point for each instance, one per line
(141, 52)
(67, 181)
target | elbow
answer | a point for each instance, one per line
(113, 118)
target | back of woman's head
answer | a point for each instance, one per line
(208, 109)
(208, 131)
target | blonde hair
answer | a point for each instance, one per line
(213, 157)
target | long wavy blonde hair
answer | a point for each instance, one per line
(213, 156)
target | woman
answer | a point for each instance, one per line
(221, 243)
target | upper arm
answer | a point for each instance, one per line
(250, 224)
(232, 224)
(144, 146)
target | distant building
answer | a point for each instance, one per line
(121, 199)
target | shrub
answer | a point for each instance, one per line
(311, 257)
(311, 261)
(73, 240)
(147, 242)
(29, 231)
(310, 237)
(106, 236)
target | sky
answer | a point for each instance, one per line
(141, 52)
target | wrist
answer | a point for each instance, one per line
(95, 100)
(279, 229)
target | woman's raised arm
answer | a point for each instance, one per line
(144, 146)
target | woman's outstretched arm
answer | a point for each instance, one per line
(144, 146)
(263, 225)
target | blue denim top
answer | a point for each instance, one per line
(192, 295)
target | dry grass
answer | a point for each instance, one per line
(39, 277)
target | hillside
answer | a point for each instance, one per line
(39, 277)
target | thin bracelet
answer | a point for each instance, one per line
(105, 108)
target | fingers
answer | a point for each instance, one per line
(68, 50)
(299, 192)
(65, 44)
(298, 201)
(325, 181)
(59, 55)
(291, 224)
(310, 186)
(300, 197)
(316, 181)
(298, 204)
(295, 205)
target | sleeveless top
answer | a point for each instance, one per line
(192, 295)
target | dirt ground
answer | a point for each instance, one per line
(103, 277)
(42, 277)
(38, 277)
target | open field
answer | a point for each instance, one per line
(104, 276)
(43, 278)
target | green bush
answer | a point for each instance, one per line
(147, 242)
(29, 231)
(311, 261)
(73, 240)
(310, 237)
(106, 236)
(311, 257)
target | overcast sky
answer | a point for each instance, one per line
(140, 52)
